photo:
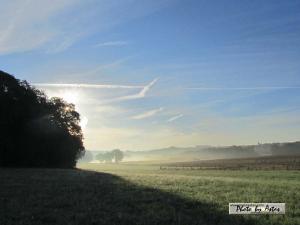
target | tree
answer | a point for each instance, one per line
(100, 157)
(115, 155)
(118, 155)
(37, 131)
(108, 157)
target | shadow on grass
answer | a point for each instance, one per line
(53, 196)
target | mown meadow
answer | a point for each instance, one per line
(143, 194)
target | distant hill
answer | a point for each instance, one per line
(191, 153)
(205, 152)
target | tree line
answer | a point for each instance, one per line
(115, 155)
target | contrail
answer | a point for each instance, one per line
(147, 114)
(241, 88)
(141, 94)
(94, 86)
(175, 118)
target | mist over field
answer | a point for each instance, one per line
(178, 154)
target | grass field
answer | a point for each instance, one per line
(283, 162)
(142, 194)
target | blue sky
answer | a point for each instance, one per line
(149, 74)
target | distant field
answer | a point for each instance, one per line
(258, 163)
(142, 194)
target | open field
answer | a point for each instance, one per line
(142, 194)
(256, 163)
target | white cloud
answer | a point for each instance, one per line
(27, 25)
(147, 114)
(55, 25)
(175, 118)
(112, 44)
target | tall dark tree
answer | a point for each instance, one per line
(36, 131)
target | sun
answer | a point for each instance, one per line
(70, 96)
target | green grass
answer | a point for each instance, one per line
(142, 194)
(278, 162)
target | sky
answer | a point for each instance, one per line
(148, 74)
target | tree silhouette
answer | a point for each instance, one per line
(107, 157)
(118, 155)
(100, 157)
(36, 131)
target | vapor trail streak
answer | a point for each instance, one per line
(94, 86)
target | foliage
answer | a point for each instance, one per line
(118, 155)
(36, 131)
(105, 157)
